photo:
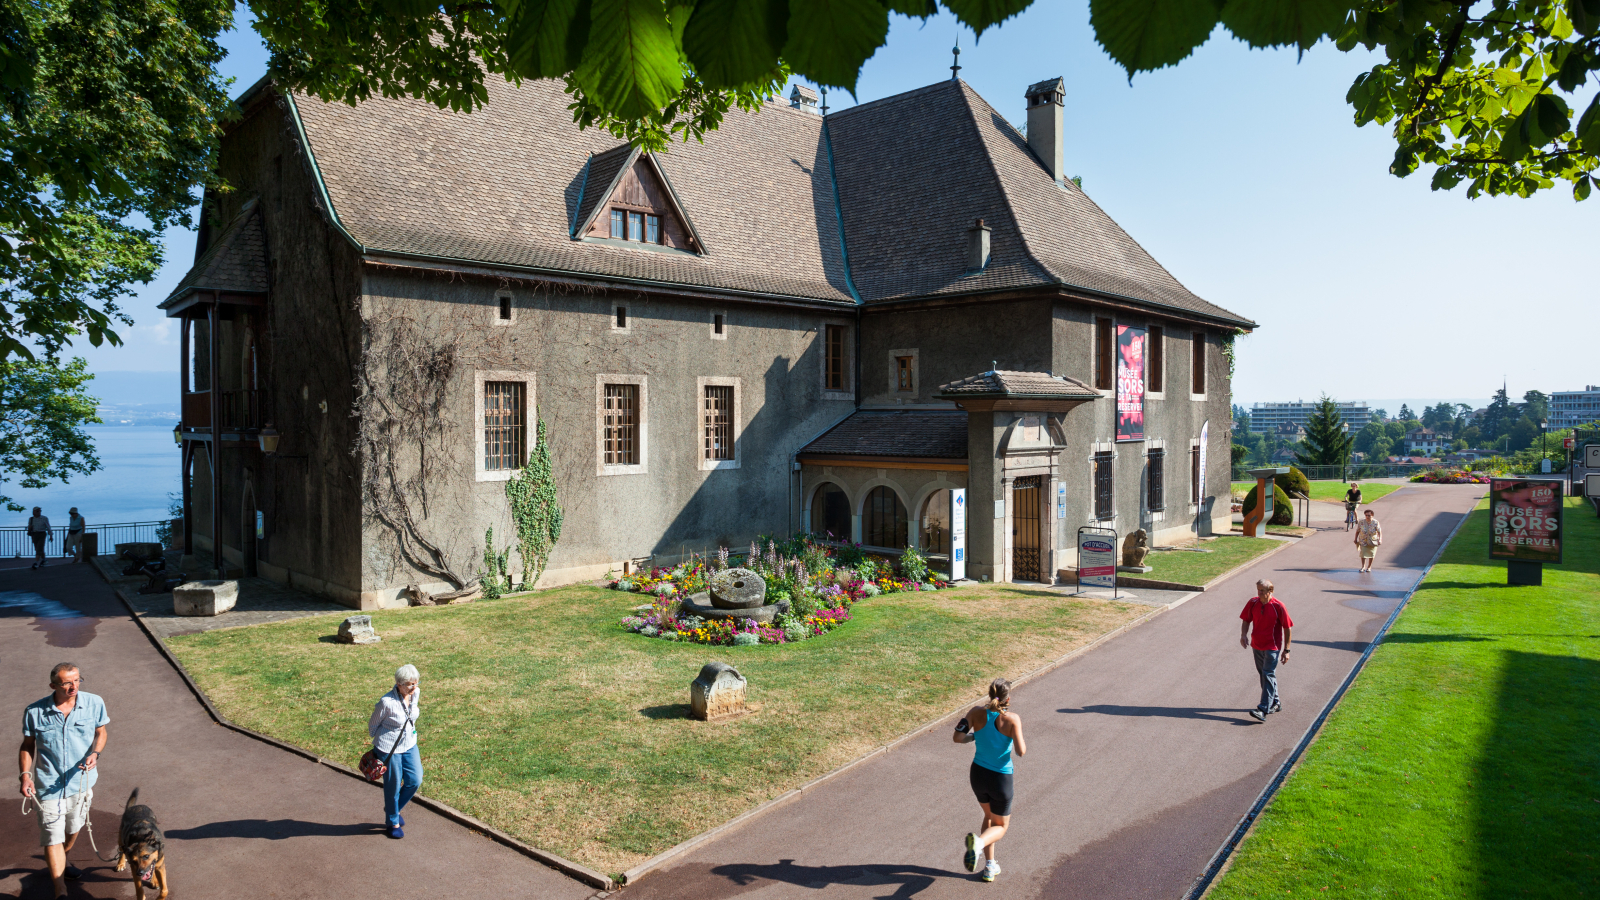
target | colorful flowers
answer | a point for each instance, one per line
(1454, 476)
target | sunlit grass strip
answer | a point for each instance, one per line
(1465, 759)
(1192, 567)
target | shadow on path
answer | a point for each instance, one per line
(271, 830)
(1165, 712)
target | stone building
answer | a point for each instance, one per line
(807, 322)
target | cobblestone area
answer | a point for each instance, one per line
(260, 601)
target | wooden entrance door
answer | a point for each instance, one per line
(1025, 527)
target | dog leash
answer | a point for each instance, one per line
(83, 798)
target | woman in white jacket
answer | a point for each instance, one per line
(393, 728)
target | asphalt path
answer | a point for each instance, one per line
(1142, 757)
(242, 818)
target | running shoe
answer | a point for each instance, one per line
(990, 870)
(971, 858)
(1277, 707)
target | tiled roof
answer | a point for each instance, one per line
(599, 179)
(500, 186)
(1018, 384)
(236, 261)
(921, 433)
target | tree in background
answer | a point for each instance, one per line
(1498, 417)
(1240, 453)
(1368, 435)
(1241, 420)
(1522, 435)
(1405, 413)
(43, 408)
(1380, 415)
(1326, 443)
(1537, 406)
(652, 71)
(1472, 434)
(109, 118)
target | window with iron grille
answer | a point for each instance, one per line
(1197, 378)
(1157, 373)
(1104, 506)
(1104, 343)
(1157, 481)
(1196, 481)
(903, 374)
(718, 422)
(622, 425)
(505, 428)
(833, 377)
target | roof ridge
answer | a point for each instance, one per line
(881, 101)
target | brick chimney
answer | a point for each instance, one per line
(1046, 125)
(977, 247)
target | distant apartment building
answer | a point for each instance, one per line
(1265, 418)
(1569, 409)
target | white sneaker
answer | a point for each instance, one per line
(990, 870)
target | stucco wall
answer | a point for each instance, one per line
(950, 343)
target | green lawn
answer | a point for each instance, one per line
(1465, 760)
(545, 719)
(1190, 567)
(1331, 491)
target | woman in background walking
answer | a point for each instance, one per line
(996, 731)
(393, 728)
(1369, 535)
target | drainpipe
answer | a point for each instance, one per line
(216, 441)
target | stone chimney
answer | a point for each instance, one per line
(1046, 125)
(803, 98)
(977, 247)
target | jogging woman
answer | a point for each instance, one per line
(996, 730)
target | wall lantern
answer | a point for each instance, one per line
(177, 434)
(269, 436)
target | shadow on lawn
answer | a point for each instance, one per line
(666, 711)
(1539, 772)
(1407, 638)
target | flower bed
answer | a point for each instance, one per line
(1451, 477)
(820, 582)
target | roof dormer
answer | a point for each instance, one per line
(627, 200)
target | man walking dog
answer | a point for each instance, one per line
(1265, 632)
(62, 736)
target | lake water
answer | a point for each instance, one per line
(139, 467)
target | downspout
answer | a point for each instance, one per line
(216, 440)
(844, 252)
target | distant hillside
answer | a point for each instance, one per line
(136, 398)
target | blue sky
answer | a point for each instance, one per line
(1242, 172)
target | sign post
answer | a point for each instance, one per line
(958, 534)
(1262, 514)
(1097, 559)
(1525, 526)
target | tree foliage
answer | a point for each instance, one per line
(43, 408)
(1326, 443)
(109, 114)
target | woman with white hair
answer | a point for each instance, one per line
(393, 728)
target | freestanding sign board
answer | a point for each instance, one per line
(1525, 526)
(958, 534)
(1097, 558)
(1130, 383)
(1591, 456)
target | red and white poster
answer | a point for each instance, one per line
(1130, 383)
(1525, 521)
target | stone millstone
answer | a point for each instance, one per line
(358, 630)
(719, 691)
(700, 605)
(738, 589)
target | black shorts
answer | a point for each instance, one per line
(993, 788)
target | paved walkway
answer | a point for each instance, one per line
(260, 601)
(1141, 755)
(242, 818)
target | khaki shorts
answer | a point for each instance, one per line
(1368, 551)
(63, 816)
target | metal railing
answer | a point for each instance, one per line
(15, 542)
(1357, 471)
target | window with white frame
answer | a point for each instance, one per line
(502, 403)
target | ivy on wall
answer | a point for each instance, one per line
(535, 510)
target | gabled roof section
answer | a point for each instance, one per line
(913, 433)
(1019, 385)
(638, 178)
(235, 263)
(600, 177)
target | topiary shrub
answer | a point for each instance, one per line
(1282, 512)
(1294, 482)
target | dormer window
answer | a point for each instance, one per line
(627, 225)
(618, 224)
(632, 202)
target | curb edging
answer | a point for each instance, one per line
(566, 867)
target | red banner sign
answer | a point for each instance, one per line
(1525, 520)
(1130, 383)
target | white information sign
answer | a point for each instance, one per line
(1097, 558)
(958, 534)
(1205, 438)
(1591, 456)
(1591, 485)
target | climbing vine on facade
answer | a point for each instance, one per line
(535, 510)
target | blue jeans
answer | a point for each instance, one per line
(1267, 668)
(401, 783)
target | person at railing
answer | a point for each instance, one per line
(75, 526)
(39, 530)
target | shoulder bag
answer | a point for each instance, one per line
(372, 767)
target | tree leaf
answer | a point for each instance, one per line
(1551, 118)
(981, 15)
(916, 9)
(829, 40)
(1580, 191)
(542, 33)
(1584, 15)
(1145, 35)
(1588, 130)
(735, 42)
(1283, 23)
(630, 65)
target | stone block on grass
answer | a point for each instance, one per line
(358, 630)
(204, 598)
(717, 693)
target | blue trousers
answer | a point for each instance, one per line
(401, 783)
(1267, 668)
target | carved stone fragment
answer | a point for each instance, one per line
(717, 693)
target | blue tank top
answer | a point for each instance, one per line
(992, 750)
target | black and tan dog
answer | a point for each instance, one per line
(140, 842)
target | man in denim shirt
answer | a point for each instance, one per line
(62, 736)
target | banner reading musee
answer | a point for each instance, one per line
(1525, 521)
(1130, 383)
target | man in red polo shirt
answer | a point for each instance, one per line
(1265, 632)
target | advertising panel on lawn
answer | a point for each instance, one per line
(1130, 383)
(1097, 558)
(958, 534)
(1525, 523)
